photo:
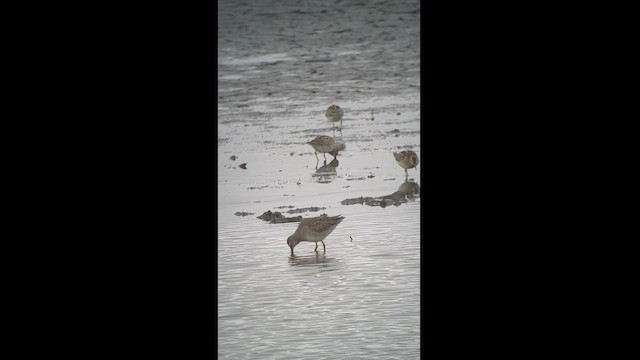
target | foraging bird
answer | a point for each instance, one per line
(407, 159)
(314, 229)
(334, 114)
(326, 144)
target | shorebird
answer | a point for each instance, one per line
(334, 114)
(314, 229)
(407, 159)
(326, 144)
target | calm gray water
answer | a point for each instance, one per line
(280, 65)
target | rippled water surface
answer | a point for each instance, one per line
(280, 65)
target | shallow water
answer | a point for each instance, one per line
(280, 66)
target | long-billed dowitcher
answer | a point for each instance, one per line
(334, 114)
(326, 144)
(407, 159)
(314, 229)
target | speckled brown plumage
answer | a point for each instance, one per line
(314, 229)
(326, 144)
(334, 114)
(406, 159)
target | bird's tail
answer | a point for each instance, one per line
(340, 147)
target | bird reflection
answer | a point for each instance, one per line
(329, 168)
(327, 172)
(409, 189)
(306, 260)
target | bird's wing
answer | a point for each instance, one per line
(321, 224)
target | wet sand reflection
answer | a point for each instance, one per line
(327, 172)
(307, 260)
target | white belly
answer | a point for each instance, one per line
(324, 148)
(313, 238)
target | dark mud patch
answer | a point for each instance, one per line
(407, 192)
(383, 201)
(370, 176)
(263, 187)
(268, 215)
(243, 214)
(286, 220)
(277, 217)
(407, 146)
(309, 209)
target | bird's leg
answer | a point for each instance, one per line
(325, 248)
(406, 172)
(317, 155)
(316, 249)
(325, 157)
(317, 161)
(340, 126)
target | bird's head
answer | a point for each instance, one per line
(292, 242)
(414, 160)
